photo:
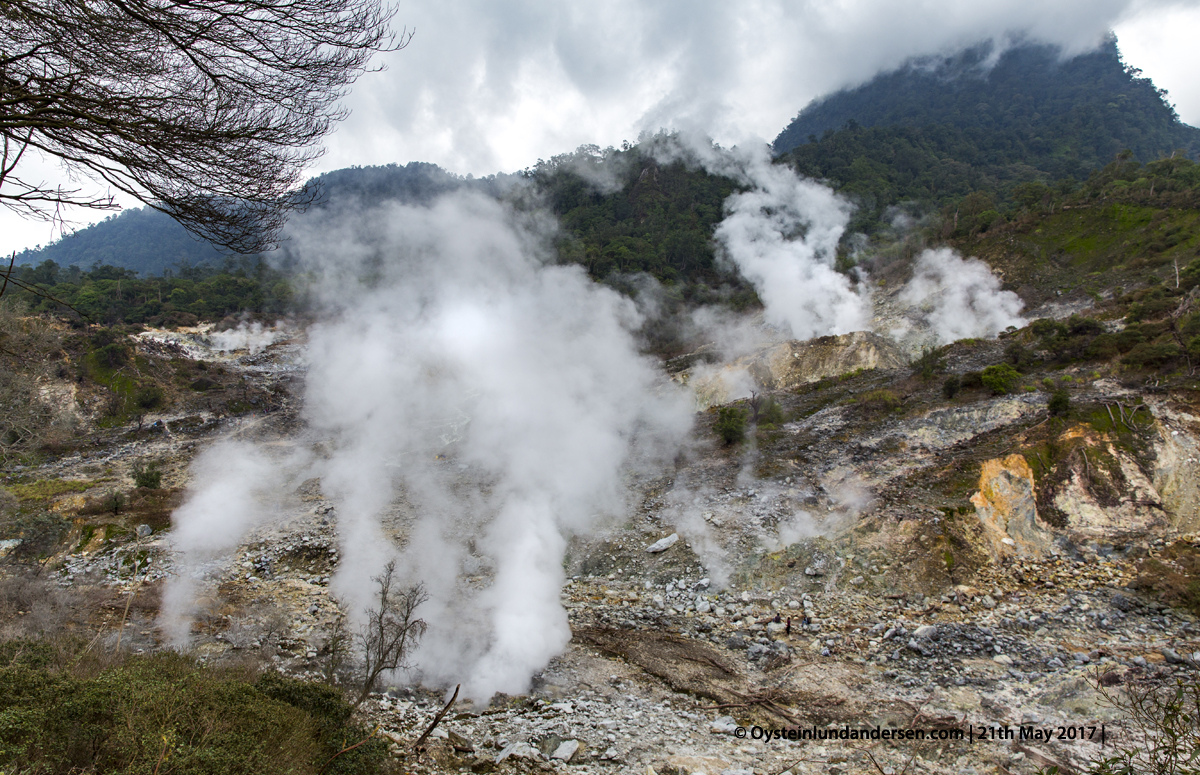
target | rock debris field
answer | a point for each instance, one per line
(848, 571)
(664, 668)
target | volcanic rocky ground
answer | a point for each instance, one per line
(935, 582)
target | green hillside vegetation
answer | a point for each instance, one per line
(65, 710)
(656, 218)
(1129, 238)
(1066, 117)
(1129, 223)
(1034, 147)
(139, 239)
(148, 242)
(110, 294)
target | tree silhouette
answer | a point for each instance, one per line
(208, 110)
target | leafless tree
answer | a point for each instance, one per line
(208, 110)
(392, 629)
(336, 650)
(1186, 307)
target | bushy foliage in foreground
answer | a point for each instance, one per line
(62, 713)
(1165, 720)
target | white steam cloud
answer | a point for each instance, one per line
(231, 482)
(782, 233)
(254, 337)
(479, 407)
(960, 298)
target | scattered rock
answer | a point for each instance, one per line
(519, 750)
(723, 725)
(459, 742)
(663, 544)
(566, 751)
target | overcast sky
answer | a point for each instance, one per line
(494, 85)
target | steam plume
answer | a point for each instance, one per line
(960, 298)
(479, 407)
(782, 233)
(230, 482)
(254, 337)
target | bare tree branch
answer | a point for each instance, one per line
(391, 630)
(208, 110)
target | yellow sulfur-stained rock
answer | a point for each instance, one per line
(1007, 507)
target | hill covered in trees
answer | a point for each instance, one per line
(1065, 117)
(152, 243)
(940, 129)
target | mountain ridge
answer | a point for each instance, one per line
(1032, 94)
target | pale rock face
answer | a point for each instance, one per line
(794, 363)
(1006, 505)
(1177, 467)
(789, 364)
(947, 426)
(1137, 515)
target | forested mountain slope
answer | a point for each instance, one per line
(965, 137)
(151, 243)
(1064, 117)
(938, 129)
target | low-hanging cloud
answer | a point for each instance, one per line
(487, 86)
(960, 298)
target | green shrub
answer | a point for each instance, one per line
(147, 476)
(880, 399)
(1000, 379)
(331, 713)
(1077, 326)
(972, 379)
(1104, 347)
(1060, 403)
(1045, 328)
(1020, 356)
(148, 396)
(951, 386)
(731, 424)
(771, 413)
(1151, 355)
(1130, 337)
(112, 356)
(929, 363)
